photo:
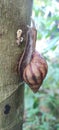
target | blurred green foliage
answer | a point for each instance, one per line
(42, 109)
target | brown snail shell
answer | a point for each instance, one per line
(35, 72)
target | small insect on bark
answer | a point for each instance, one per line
(19, 37)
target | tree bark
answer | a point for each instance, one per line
(14, 14)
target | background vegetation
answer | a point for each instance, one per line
(42, 109)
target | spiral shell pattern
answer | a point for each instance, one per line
(35, 72)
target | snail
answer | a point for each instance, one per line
(32, 66)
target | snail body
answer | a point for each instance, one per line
(32, 66)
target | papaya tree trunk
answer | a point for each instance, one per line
(14, 14)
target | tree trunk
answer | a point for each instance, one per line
(14, 14)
